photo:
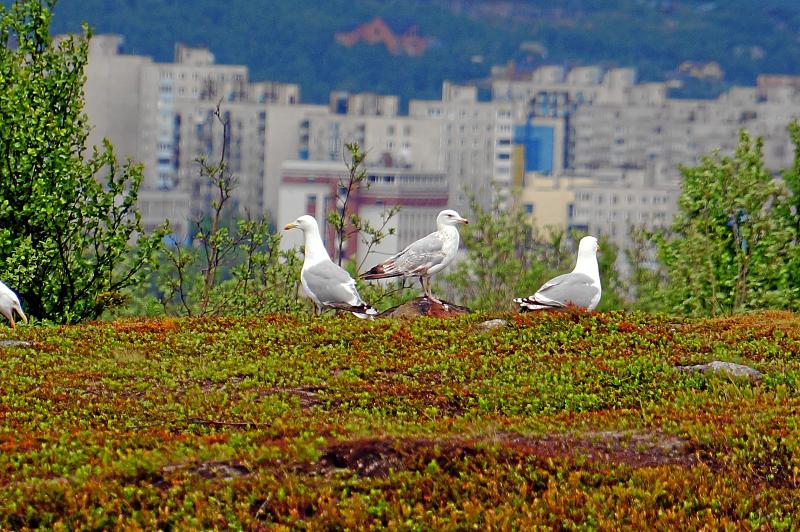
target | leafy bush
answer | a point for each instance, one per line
(731, 246)
(68, 219)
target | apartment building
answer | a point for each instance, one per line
(163, 115)
(678, 132)
(476, 142)
(624, 142)
(588, 147)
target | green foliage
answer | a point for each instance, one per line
(789, 211)
(647, 278)
(67, 218)
(251, 275)
(502, 257)
(348, 225)
(559, 420)
(613, 285)
(729, 247)
(234, 267)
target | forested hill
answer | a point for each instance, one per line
(294, 40)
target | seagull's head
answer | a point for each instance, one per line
(450, 217)
(588, 247)
(304, 223)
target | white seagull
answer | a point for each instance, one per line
(9, 303)
(328, 284)
(581, 287)
(426, 256)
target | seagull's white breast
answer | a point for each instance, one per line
(450, 241)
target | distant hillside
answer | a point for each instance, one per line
(295, 40)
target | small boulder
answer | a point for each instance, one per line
(729, 368)
(490, 325)
(15, 343)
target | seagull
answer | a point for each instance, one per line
(328, 284)
(426, 256)
(9, 302)
(581, 287)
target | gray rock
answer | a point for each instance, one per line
(729, 368)
(15, 343)
(491, 325)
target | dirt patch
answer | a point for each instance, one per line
(634, 449)
(377, 457)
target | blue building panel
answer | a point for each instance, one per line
(538, 143)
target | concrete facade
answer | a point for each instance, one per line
(311, 187)
(571, 140)
(162, 115)
(476, 143)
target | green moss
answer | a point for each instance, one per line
(562, 420)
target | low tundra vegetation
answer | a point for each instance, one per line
(575, 420)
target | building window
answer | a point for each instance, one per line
(311, 204)
(529, 208)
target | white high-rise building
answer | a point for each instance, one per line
(476, 142)
(162, 115)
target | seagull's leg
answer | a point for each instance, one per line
(424, 289)
(428, 293)
(10, 317)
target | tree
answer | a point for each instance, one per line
(235, 267)
(727, 248)
(347, 224)
(789, 211)
(646, 277)
(68, 218)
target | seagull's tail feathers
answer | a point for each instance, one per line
(382, 271)
(530, 303)
(365, 312)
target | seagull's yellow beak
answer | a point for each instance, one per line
(463, 221)
(290, 226)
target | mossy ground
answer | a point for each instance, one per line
(568, 420)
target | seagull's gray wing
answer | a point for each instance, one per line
(331, 285)
(416, 259)
(575, 288)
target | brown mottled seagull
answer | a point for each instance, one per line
(426, 256)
